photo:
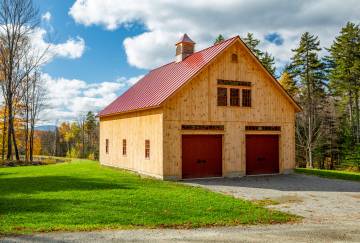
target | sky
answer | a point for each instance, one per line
(100, 48)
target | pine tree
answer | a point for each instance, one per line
(90, 130)
(265, 58)
(219, 39)
(345, 80)
(253, 43)
(289, 84)
(269, 62)
(308, 71)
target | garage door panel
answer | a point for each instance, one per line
(201, 156)
(262, 154)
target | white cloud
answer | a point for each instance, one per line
(203, 20)
(69, 98)
(73, 48)
(46, 17)
(134, 80)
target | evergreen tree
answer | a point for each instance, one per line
(289, 84)
(219, 39)
(269, 62)
(91, 134)
(308, 71)
(253, 43)
(344, 78)
(265, 58)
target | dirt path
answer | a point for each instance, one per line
(273, 233)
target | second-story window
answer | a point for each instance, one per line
(222, 96)
(124, 147)
(246, 98)
(234, 97)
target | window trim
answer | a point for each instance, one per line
(147, 148)
(107, 146)
(124, 147)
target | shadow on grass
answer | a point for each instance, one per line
(292, 182)
(31, 205)
(29, 185)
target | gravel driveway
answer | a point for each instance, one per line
(331, 209)
(319, 200)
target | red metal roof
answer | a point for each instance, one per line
(160, 83)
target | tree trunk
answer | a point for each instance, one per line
(31, 152)
(4, 133)
(27, 120)
(309, 108)
(357, 111)
(351, 112)
(9, 133)
(14, 140)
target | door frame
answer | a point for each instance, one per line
(278, 134)
(199, 133)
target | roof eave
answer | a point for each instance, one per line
(129, 111)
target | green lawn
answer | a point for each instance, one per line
(82, 195)
(335, 174)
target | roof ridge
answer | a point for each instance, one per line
(222, 42)
(216, 44)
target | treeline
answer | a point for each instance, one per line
(24, 97)
(78, 139)
(21, 85)
(328, 89)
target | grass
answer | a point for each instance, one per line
(334, 174)
(38, 160)
(82, 195)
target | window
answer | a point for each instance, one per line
(222, 96)
(234, 58)
(107, 146)
(246, 97)
(124, 147)
(234, 97)
(147, 149)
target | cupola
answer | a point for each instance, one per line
(184, 48)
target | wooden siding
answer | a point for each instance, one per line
(135, 127)
(196, 103)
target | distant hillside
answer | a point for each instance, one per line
(46, 128)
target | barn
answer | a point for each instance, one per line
(216, 112)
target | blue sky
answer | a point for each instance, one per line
(104, 58)
(101, 47)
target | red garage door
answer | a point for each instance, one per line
(201, 156)
(262, 154)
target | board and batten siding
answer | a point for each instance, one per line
(135, 127)
(196, 103)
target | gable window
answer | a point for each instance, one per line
(147, 148)
(124, 147)
(234, 97)
(107, 146)
(222, 96)
(246, 98)
(234, 58)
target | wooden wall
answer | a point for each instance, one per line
(135, 128)
(196, 104)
